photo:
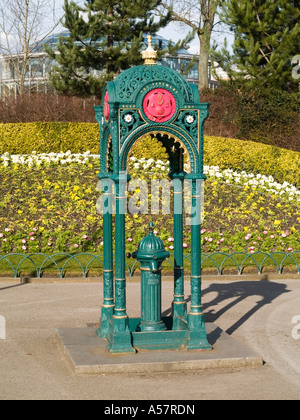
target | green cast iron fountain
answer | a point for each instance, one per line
(151, 100)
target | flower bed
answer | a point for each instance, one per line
(239, 155)
(48, 205)
(44, 159)
(261, 182)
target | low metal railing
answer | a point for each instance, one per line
(38, 264)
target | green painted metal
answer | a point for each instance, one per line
(108, 305)
(155, 100)
(119, 337)
(198, 335)
(151, 254)
(179, 303)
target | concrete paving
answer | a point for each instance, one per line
(262, 315)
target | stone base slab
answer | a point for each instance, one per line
(88, 354)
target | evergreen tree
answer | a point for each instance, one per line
(105, 38)
(267, 38)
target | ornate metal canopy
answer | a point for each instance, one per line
(151, 99)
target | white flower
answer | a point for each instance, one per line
(190, 119)
(266, 183)
(128, 118)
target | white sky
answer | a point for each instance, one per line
(173, 31)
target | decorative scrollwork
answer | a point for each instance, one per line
(129, 121)
(130, 81)
(188, 120)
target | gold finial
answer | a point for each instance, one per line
(150, 55)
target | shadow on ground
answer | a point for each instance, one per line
(235, 292)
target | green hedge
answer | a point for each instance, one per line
(79, 137)
(25, 138)
(252, 157)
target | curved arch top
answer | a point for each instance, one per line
(150, 100)
(129, 83)
(172, 132)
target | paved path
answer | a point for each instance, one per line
(257, 313)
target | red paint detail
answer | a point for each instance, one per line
(106, 107)
(159, 105)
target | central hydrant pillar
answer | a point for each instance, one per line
(151, 254)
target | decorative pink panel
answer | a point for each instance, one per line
(106, 107)
(159, 105)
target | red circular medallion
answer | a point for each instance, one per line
(159, 105)
(106, 107)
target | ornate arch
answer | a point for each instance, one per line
(175, 133)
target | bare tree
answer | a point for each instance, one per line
(200, 15)
(23, 24)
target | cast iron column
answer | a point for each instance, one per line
(179, 304)
(108, 286)
(120, 337)
(197, 334)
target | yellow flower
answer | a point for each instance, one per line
(277, 223)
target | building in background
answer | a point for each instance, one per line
(39, 65)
